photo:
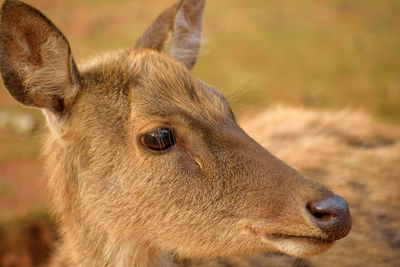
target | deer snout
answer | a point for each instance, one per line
(332, 216)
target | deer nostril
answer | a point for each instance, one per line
(332, 216)
(321, 211)
(322, 216)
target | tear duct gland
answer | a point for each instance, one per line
(208, 190)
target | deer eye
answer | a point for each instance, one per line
(158, 140)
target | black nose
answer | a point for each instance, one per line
(332, 216)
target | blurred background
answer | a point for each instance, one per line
(326, 54)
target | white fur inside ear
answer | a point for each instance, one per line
(52, 76)
(187, 39)
(187, 32)
(21, 49)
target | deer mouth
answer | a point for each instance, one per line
(295, 245)
(309, 239)
(298, 246)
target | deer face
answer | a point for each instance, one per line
(152, 154)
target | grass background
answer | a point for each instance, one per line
(325, 54)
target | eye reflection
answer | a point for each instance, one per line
(159, 139)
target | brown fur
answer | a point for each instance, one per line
(356, 156)
(217, 193)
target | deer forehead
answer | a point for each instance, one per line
(155, 86)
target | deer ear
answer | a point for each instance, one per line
(176, 31)
(35, 59)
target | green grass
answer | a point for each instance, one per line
(328, 54)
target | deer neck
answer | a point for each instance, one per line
(86, 251)
(84, 242)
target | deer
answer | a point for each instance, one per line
(147, 164)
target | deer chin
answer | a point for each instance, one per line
(294, 245)
(298, 246)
